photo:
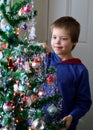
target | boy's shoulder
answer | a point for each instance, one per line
(73, 61)
(53, 58)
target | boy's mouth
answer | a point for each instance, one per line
(58, 47)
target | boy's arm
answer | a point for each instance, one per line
(83, 101)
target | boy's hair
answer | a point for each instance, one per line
(70, 24)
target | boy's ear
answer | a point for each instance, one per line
(75, 43)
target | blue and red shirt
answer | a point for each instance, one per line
(73, 85)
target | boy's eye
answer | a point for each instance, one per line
(64, 38)
(54, 37)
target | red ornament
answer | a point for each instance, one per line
(24, 100)
(27, 9)
(36, 63)
(4, 45)
(50, 79)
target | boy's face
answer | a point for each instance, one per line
(61, 42)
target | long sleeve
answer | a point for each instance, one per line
(83, 101)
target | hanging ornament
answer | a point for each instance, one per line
(1, 55)
(38, 124)
(27, 9)
(41, 93)
(8, 28)
(16, 88)
(4, 45)
(3, 24)
(52, 110)
(50, 79)
(36, 63)
(7, 107)
(24, 26)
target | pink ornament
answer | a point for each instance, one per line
(27, 9)
(41, 93)
(7, 107)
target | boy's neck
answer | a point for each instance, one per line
(66, 57)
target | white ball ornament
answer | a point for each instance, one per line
(52, 110)
(38, 124)
(3, 24)
(7, 107)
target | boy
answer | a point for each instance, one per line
(72, 75)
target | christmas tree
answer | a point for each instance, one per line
(23, 71)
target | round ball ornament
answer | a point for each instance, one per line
(3, 24)
(27, 9)
(24, 26)
(4, 45)
(38, 124)
(50, 79)
(36, 64)
(8, 28)
(52, 110)
(41, 93)
(7, 107)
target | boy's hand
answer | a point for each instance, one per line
(68, 120)
(45, 46)
(63, 129)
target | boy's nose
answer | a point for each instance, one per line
(58, 41)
